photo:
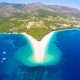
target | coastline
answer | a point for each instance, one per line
(39, 53)
(38, 57)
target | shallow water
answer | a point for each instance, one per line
(62, 57)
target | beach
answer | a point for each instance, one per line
(39, 47)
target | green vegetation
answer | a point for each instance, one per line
(37, 23)
(36, 26)
(38, 33)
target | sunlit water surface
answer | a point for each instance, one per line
(55, 57)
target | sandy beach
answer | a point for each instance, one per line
(39, 46)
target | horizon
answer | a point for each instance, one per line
(72, 3)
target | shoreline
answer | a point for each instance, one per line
(39, 53)
(48, 33)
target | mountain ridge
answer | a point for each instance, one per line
(23, 9)
(37, 19)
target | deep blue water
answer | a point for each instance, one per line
(69, 44)
(67, 68)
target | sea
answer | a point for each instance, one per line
(64, 46)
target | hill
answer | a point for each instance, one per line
(36, 17)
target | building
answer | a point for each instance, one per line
(65, 25)
(77, 25)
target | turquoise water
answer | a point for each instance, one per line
(64, 60)
(53, 50)
(10, 44)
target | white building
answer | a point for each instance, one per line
(77, 25)
(64, 25)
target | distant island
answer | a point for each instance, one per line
(37, 19)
